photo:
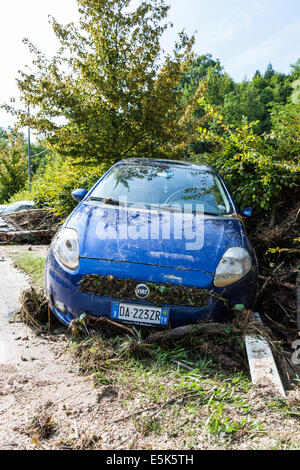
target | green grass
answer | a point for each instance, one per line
(32, 265)
(206, 407)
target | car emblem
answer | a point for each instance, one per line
(142, 291)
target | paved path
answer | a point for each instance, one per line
(36, 373)
(12, 282)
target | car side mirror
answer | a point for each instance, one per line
(79, 194)
(247, 212)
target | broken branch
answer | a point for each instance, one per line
(198, 329)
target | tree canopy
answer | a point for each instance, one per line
(116, 91)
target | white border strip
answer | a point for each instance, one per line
(263, 368)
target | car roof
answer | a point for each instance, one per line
(23, 202)
(158, 162)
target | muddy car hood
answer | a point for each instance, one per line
(101, 231)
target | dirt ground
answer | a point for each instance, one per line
(45, 403)
(7, 251)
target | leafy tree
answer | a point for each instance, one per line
(206, 69)
(210, 74)
(40, 156)
(118, 95)
(254, 100)
(269, 72)
(245, 102)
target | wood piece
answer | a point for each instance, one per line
(181, 331)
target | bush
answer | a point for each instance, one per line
(258, 169)
(12, 167)
(53, 188)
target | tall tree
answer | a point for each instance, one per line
(253, 100)
(208, 73)
(117, 92)
(269, 72)
(206, 69)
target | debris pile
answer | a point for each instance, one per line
(34, 309)
(34, 226)
(276, 242)
(124, 289)
(41, 427)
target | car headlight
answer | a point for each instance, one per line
(66, 247)
(234, 265)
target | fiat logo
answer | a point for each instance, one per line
(142, 291)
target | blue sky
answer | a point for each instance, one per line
(244, 34)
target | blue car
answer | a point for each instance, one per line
(158, 243)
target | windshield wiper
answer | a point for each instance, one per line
(212, 213)
(107, 200)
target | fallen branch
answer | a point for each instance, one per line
(175, 333)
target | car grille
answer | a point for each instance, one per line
(124, 289)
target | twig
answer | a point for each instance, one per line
(118, 325)
(281, 327)
(290, 363)
(131, 415)
(181, 364)
(288, 285)
(283, 309)
(286, 369)
(128, 437)
(270, 278)
(191, 394)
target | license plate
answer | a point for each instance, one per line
(142, 314)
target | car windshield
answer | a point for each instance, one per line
(164, 186)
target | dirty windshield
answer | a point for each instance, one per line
(163, 186)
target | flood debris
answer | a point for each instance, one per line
(34, 226)
(166, 336)
(34, 310)
(33, 219)
(109, 325)
(276, 243)
(124, 289)
(87, 325)
(42, 426)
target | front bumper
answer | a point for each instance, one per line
(62, 285)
